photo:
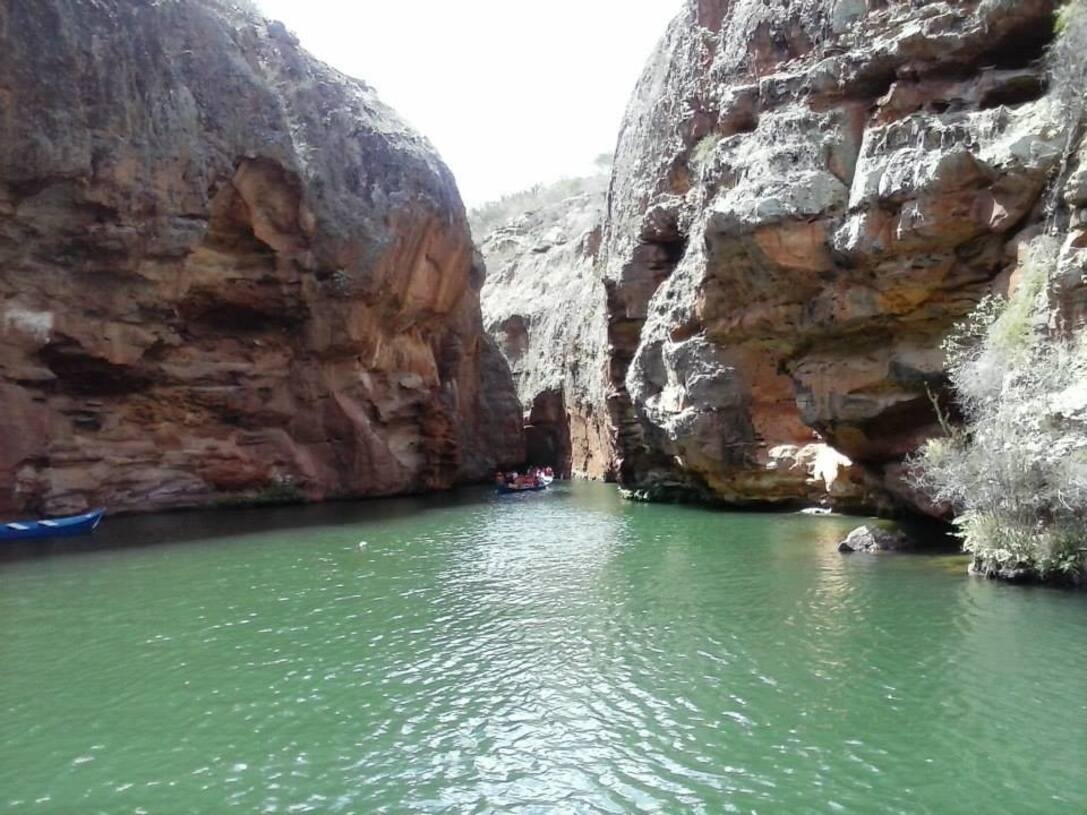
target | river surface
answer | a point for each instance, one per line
(563, 652)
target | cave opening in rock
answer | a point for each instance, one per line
(1022, 46)
(1015, 91)
(547, 433)
(82, 372)
(242, 278)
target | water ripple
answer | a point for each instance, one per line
(558, 653)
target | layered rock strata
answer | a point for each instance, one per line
(807, 196)
(227, 273)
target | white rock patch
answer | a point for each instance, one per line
(38, 325)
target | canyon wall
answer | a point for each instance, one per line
(544, 304)
(806, 197)
(227, 273)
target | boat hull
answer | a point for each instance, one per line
(70, 527)
(504, 490)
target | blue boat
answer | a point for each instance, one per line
(69, 527)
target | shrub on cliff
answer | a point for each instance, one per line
(1016, 470)
(488, 217)
(247, 6)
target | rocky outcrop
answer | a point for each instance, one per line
(227, 272)
(806, 197)
(1067, 205)
(543, 302)
(873, 539)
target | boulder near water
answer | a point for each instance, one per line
(874, 539)
(227, 272)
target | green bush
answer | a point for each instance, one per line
(282, 489)
(1016, 470)
(1065, 17)
(703, 152)
(488, 217)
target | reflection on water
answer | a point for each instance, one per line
(555, 652)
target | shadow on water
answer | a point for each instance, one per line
(185, 526)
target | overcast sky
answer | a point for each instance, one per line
(511, 92)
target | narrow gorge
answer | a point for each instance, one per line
(339, 476)
(230, 275)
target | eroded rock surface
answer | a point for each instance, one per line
(227, 272)
(1068, 287)
(543, 302)
(807, 196)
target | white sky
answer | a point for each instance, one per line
(511, 92)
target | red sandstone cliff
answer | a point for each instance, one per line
(227, 272)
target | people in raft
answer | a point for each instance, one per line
(532, 478)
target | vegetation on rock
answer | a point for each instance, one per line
(1016, 470)
(488, 217)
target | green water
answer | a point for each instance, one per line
(556, 653)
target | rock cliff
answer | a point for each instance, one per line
(227, 272)
(544, 302)
(806, 197)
